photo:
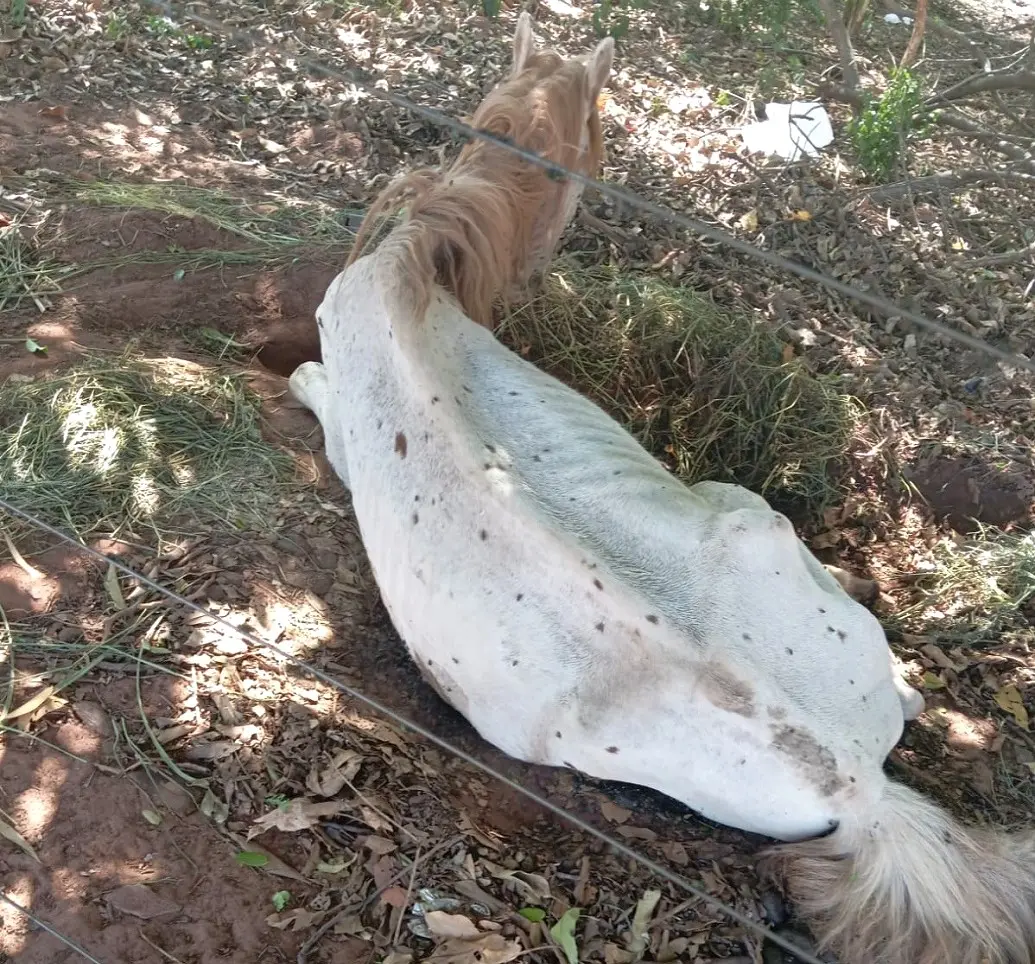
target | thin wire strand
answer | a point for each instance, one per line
(43, 925)
(618, 194)
(422, 731)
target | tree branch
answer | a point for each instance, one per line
(934, 183)
(916, 38)
(839, 34)
(1007, 257)
(983, 82)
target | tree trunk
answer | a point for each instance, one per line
(917, 37)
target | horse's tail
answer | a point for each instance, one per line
(906, 884)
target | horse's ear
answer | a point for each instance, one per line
(524, 43)
(598, 67)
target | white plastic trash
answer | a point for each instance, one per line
(790, 130)
(895, 18)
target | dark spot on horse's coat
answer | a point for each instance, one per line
(571, 498)
(430, 662)
(416, 498)
(777, 572)
(457, 400)
(520, 596)
(513, 662)
(483, 535)
(617, 472)
(455, 660)
(726, 691)
(491, 448)
(600, 627)
(851, 779)
(842, 635)
(400, 444)
(433, 500)
(598, 584)
(851, 682)
(815, 761)
(535, 458)
(746, 636)
(822, 610)
(416, 518)
(466, 389)
(830, 629)
(487, 466)
(557, 734)
(789, 651)
(866, 700)
(434, 399)
(651, 618)
(776, 712)
(379, 423)
(427, 436)
(741, 761)
(612, 749)
(512, 394)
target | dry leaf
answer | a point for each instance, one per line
(378, 845)
(339, 772)
(788, 353)
(531, 886)
(637, 833)
(9, 833)
(749, 222)
(292, 920)
(445, 926)
(1009, 698)
(675, 852)
(639, 938)
(299, 814)
(490, 949)
(613, 812)
(933, 682)
(801, 215)
(58, 113)
(394, 897)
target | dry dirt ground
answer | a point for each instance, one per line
(180, 796)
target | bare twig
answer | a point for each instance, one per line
(839, 33)
(916, 38)
(982, 82)
(934, 183)
(1007, 257)
(951, 118)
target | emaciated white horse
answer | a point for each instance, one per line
(582, 608)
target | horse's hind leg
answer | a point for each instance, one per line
(308, 383)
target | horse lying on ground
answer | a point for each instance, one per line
(583, 608)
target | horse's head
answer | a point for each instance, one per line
(485, 225)
(548, 105)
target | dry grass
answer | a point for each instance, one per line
(708, 391)
(26, 274)
(977, 590)
(114, 443)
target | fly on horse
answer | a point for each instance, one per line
(583, 608)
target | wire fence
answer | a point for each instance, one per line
(614, 192)
(622, 196)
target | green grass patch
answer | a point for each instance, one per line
(275, 223)
(707, 391)
(113, 444)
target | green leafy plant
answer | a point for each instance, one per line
(885, 126)
(281, 899)
(491, 8)
(610, 19)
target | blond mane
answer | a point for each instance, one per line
(484, 224)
